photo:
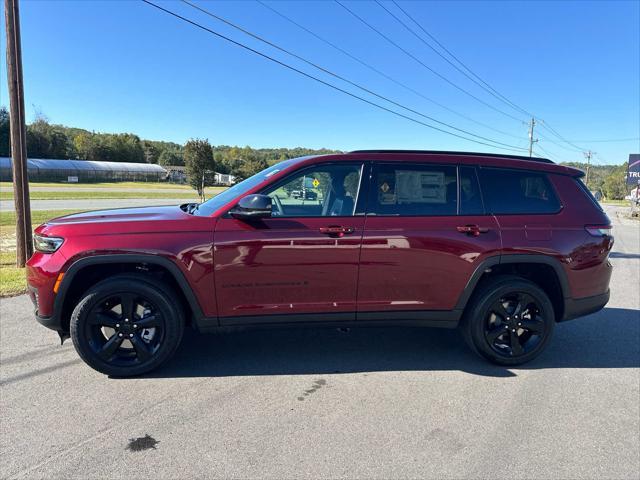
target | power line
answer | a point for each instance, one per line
(381, 73)
(488, 90)
(307, 75)
(610, 140)
(502, 97)
(505, 99)
(564, 147)
(416, 59)
(339, 77)
(554, 132)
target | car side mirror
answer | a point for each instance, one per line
(252, 207)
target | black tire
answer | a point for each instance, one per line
(100, 327)
(506, 336)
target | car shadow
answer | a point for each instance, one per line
(607, 339)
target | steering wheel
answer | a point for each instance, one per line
(279, 210)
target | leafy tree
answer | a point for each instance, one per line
(614, 186)
(5, 137)
(48, 141)
(170, 158)
(198, 158)
(151, 152)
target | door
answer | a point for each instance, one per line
(426, 232)
(300, 264)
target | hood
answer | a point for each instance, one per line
(138, 214)
(145, 220)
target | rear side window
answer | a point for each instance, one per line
(517, 191)
(413, 190)
(588, 193)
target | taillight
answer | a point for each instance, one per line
(598, 230)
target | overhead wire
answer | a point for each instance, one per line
(487, 85)
(416, 59)
(381, 73)
(316, 79)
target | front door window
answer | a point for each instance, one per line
(322, 191)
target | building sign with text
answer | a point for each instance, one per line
(633, 170)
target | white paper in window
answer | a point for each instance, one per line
(420, 187)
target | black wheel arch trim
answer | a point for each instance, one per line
(514, 258)
(55, 321)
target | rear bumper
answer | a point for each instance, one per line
(574, 308)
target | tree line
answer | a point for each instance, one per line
(609, 180)
(47, 140)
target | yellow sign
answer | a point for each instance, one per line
(315, 183)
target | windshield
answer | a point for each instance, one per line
(207, 208)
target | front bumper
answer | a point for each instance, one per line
(50, 321)
(579, 307)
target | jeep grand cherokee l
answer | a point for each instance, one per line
(502, 247)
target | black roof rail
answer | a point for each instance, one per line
(473, 154)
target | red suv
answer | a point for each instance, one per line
(501, 246)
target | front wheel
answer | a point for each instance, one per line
(509, 321)
(127, 325)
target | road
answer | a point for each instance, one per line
(97, 203)
(401, 403)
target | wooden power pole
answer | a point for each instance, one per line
(588, 155)
(532, 124)
(24, 245)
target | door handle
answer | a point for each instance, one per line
(336, 231)
(473, 230)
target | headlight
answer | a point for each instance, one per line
(47, 244)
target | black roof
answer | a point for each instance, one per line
(473, 154)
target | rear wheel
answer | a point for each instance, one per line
(127, 325)
(509, 321)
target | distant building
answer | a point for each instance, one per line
(84, 171)
(178, 174)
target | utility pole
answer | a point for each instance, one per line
(24, 245)
(588, 156)
(532, 124)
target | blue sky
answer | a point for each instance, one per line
(124, 66)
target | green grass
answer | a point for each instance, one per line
(12, 281)
(616, 202)
(167, 186)
(8, 219)
(86, 195)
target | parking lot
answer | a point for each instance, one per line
(320, 403)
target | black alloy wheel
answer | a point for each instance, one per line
(509, 320)
(127, 325)
(125, 329)
(514, 325)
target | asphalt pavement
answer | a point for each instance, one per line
(318, 403)
(82, 205)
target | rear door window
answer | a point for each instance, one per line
(413, 190)
(517, 192)
(470, 197)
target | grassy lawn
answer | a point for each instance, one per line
(85, 195)
(625, 203)
(8, 219)
(12, 281)
(142, 185)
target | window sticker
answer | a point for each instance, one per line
(420, 187)
(315, 183)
